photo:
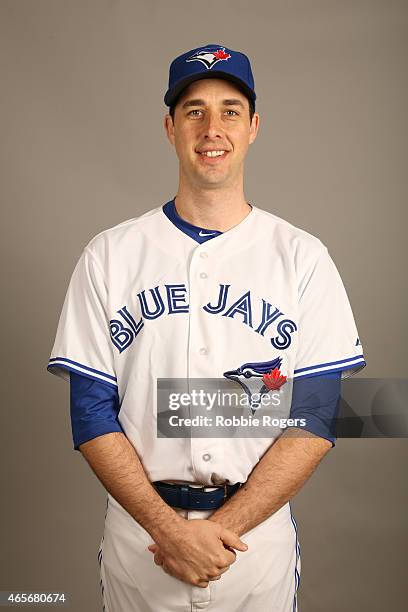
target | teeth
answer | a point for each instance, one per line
(213, 153)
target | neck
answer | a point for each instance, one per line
(215, 209)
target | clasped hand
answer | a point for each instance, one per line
(199, 552)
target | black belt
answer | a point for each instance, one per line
(194, 498)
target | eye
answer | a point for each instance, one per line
(232, 111)
(196, 110)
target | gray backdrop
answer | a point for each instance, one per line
(83, 148)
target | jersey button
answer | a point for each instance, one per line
(206, 457)
(203, 351)
(203, 275)
(203, 255)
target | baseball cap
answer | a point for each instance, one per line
(214, 61)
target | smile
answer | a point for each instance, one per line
(213, 153)
(213, 156)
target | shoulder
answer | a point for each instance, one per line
(116, 237)
(290, 238)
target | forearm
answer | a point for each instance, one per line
(115, 462)
(276, 478)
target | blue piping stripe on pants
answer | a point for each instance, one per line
(100, 557)
(297, 574)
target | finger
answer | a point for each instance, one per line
(222, 570)
(230, 557)
(229, 548)
(231, 539)
(158, 559)
(202, 583)
(227, 558)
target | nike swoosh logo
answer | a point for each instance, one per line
(201, 233)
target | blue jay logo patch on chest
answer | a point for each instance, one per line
(248, 376)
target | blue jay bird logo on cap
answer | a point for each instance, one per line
(209, 58)
(248, 374)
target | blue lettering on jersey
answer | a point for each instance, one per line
(176, 298)
(242, 306)
(285, 328)
(267, 317)
(222, 300)
(158, 302)
(123, 334)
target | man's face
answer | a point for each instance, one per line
(212, 115)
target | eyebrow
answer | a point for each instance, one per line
(199, 102)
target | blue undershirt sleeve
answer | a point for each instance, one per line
(316, 399)
(94, 408)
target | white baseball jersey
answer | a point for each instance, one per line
(147, 301)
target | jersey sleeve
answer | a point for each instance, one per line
(94, 408)
(315, 399)
(82, 342)
(328, 339)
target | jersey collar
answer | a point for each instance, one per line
(199, 234)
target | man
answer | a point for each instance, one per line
(207, 286)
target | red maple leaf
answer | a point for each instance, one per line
(220, 54)
(274, 380)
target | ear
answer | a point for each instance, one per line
(253, 130)
(169, 127)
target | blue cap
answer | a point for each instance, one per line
(210, 61)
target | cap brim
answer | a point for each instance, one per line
(173, 94)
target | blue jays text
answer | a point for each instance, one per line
(171, 299)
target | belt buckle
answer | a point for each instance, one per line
(225, 491)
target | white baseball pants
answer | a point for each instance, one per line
(264, 578)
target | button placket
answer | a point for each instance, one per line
(196, 275)
(203, 273)
(202, 459)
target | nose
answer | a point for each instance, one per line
(213, 126)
